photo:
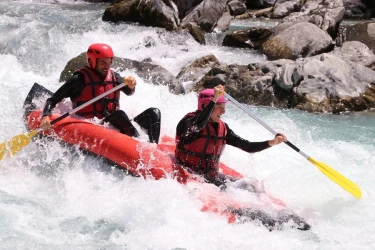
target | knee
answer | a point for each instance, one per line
(154, 113)
(120, 114)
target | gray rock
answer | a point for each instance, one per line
(196, 32)
(284, 76)
(364, 33)
(185, 7)
(356, 52)
(298, 40)
(271, 66)
(284, 9)
(328, 83)
(223, 23)
(206, 14)
(250, 38)
(236, 8)
(327, 15)
(322, 83)
(156, 13)
(193, 73)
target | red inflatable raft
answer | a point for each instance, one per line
(147, 160)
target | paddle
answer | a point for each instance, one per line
(335, 176)
(17, 143)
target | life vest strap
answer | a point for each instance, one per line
(209, 157)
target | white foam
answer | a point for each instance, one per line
(51, 196)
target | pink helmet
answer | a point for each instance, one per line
(206, 95)
(98, 50)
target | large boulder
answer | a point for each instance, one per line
(209, 15)
(206, 14)
(296, 40)
(327, 83)
(251, 38)
(156, 13)
(243, 83)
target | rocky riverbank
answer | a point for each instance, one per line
(314, 63)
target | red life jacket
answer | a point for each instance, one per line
(95, 86)
(203, 154)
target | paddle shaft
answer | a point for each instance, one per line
(263, 124)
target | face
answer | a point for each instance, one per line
(103, 65)
(218, 111)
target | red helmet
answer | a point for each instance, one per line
(98, 50)
(206, 95)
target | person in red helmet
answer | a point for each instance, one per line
(201, 137)
(94, 79)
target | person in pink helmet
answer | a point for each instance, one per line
(202, 135)
(94, 79)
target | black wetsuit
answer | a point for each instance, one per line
(148, 119)
(188, 130)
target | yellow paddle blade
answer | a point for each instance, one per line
(341, 180)
(16, 144)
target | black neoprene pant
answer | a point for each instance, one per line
(149, 120)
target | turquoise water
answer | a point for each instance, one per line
(53, 197)
(351, 128)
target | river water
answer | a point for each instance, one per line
(54, 197)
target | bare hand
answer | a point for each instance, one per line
(279, 138)
(45, 122)
(130, 82)
(219, 90)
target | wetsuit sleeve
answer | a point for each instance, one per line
(126, 89)
(238, 142)
(71, 88)
(188, 128)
